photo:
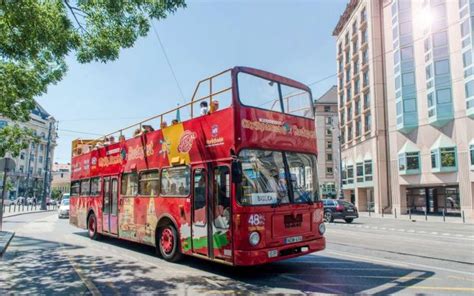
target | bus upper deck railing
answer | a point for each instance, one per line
(84, 146)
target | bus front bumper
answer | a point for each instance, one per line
(268, 255)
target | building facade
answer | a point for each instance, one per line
(362, 118)
(426, 93)
(327, 134)
(61, 177)
(31, 164)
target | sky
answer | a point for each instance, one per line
(290, 38)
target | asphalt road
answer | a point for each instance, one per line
(48, 256)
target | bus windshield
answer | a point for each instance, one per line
(265, 179)
(259, 92)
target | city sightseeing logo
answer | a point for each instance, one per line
(186, 141)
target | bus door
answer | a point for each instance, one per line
(110, 205)
(199, 231)
(211, 217)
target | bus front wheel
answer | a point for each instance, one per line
(168, 243)
(92, 227)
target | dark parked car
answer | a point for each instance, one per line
(339, 209)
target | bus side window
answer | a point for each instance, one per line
(222, 197)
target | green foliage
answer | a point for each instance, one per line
(13, 139)
(56, 194)
(36, 36)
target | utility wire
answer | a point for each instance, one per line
(167, 59)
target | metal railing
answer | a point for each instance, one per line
(160, 117)
(25, 208)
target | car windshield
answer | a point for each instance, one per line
(265, 180)
(271, 95)
(65, 202)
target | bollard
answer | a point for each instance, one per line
(444, 215)
(395, 212)
(10, 208)
(426, 215)
(463, 217)
(369, 212)
(382, 212)
(409, 213)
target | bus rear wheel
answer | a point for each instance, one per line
(92, 227)
(168, 243)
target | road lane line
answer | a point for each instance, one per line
(385, 261)
(88, 283)
(327, 289)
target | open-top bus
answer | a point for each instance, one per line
(237, 185)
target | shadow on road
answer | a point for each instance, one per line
(313, 274)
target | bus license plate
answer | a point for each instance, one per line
(293, 239)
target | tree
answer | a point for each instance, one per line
(36, 36)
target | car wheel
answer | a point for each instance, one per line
(168, 243)
(92, 227)
(328, 217)
(349, 220)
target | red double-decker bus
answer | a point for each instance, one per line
(235, 182)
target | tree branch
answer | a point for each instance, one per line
(71, 8)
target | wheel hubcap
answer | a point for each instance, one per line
(328, 217)
(167, 240)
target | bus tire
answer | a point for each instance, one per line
(168, 243)
(92, 227)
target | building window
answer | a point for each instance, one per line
(367, 122)
(329, 145)
(329, 171)
(366, 100)
(366, 78)
(443, 96)
(409, 162)
(349, 113)
(360, 172)
(363, 15)
(329, 157)
(327, 108)
(471, 150)
(442, 67)
(408, 79)
(368, 170)
(329, 120)
(365, 36)
(22, 155)
(469, 87)
(448, 157)
(365, 56)
(328, 132)
(358, 127)
(348, 74)
(357, 107)
(444, 159)
(350, 174)
(22, 168)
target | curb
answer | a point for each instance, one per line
(24, 213)
(4, 248)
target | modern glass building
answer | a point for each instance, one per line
(424, 103)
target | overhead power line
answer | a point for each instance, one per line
(167, 60)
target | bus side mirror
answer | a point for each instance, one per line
(236, 172)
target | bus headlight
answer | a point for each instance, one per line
(322, 228)
(254, 238)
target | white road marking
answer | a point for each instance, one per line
(390, 262)
(318, 285)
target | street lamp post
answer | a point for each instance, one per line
(46, 167)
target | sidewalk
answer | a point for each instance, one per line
(417, 218)
(21, 210)
(5, 238)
